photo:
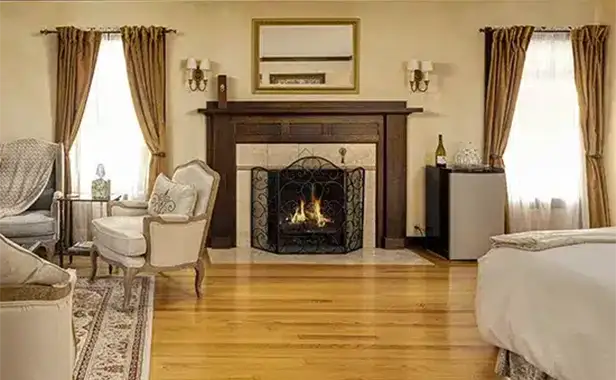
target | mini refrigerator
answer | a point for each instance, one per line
(464, 208)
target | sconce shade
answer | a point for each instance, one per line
(426, 66)
(205, 64)
(191, 64)
(413, 64)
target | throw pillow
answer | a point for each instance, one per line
(169, 197)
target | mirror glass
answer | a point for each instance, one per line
(308, 55)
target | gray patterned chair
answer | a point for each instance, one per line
(137, 238)
(40, 223)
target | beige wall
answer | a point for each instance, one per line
(391, 33)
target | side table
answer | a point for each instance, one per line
(67, 243)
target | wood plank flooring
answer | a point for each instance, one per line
(281, 322)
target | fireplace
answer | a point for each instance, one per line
(383, 123)
(310, 206)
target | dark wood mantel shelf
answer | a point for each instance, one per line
(312, 122)
(311, 108)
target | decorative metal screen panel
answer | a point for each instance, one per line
(311, 206)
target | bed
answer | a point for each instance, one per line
(549, 304)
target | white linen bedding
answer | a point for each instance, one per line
(556, 308)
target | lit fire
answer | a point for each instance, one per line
(310, 212)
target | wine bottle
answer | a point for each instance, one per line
(441, 153)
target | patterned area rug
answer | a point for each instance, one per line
(112, 344)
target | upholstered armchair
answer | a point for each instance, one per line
(37, 339)
(41, 222)
(152, 236)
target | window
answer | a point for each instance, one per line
(110, 132)
(544, 152)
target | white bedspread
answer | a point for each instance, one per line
(556, 308)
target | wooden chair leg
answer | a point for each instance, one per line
(206, 256)
(93, 263)
(129, 276)
(50, 250)
(199, 275)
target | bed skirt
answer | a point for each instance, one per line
(515, 367)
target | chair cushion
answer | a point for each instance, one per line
(29, 223)
(169, 197)
(127, 261)
(121, 234)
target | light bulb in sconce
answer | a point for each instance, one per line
(197, 74)
(418, 73)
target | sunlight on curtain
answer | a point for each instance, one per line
(544, 153)
(109, 134)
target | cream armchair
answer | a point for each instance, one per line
(37, 339)
(135, 241)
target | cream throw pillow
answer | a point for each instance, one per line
(170, 197)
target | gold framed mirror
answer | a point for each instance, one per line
(305, 56)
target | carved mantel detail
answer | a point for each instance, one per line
(380, 122)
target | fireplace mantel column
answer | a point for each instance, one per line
(394, 182)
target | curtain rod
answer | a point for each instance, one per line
(540, 29)
(105, 31)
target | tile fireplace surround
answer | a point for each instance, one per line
(247, 134)
(277, 156)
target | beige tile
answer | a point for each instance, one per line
(281, 155)
(361, 155)
(327, 151)
(250, 155)
(305, 151)
(356, 154)
(370, 209)
(242, 212)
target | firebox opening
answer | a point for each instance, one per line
(309, 214)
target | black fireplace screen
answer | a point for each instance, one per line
(311, 206)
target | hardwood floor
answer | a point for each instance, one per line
(280, 322)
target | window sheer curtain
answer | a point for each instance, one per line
(109, 134)
(544, 155)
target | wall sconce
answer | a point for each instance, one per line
(419, 74)
(197, 73)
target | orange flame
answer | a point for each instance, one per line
(300, 215)
(310, 213)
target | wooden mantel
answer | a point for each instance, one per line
(243, 122)
(311, 108)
